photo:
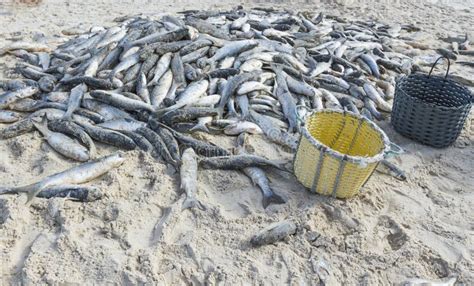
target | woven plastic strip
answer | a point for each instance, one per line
(338, 151)
(430, 109)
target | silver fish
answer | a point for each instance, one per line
(178, 70)
(116, 37)
(273, 233)
(27, 46)
(238, 162)
(299, 87)
(273, 132)
(107, 111)
(72, 129)
(373, 94)
(202, 124)
(251, 65)
(62, 143)
(160, 90)
(78, 193)
(188, 175)
(125, 64)
(286, 100)
(142, 89)
(9, 116)
(242, 127)
(121, 101)
(259, 178)
(162, 66)
(192, 93)
(209, 101)
(76, 175)
(231, 49)
(250, 86)
(75, 99)
(226, 63)
(12, 96)
(122, 124)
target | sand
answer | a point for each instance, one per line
(393, 230)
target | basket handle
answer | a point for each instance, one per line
(447, 71)
(394, 150)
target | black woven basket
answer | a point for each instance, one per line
(430, 109)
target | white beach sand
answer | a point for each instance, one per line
(423, 227)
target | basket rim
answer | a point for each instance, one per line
(429, 104)
(338, 155)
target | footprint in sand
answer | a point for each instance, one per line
(397, 236)
(438, 265)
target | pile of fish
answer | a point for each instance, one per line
(150, 84)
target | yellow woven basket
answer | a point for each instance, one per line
(338, 152)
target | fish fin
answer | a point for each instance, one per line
(23, 189)
(31, 192)
(92, 150)
(42, 125)
(232, 114)
(190, 203)
(199, 127)
(220, 111)
(173, 166)
(273, 199)
(241, 140)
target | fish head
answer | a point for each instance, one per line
(202, 62)
(117, 159)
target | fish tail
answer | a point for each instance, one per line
(280, 165)
(190, 203)
(31, 191)
(42, 125)
(241, 140)
(232, 114)
(220, 111)
(92, 150)
(272, 199)
(199, 127)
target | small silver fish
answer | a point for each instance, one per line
(273, 233)
(7, 116)
(62, 143)
(259, 178)
(188, 175)
(13, 96)
(242, 127)
(75, 99)
(76, 175)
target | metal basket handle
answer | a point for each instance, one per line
(447, 71)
